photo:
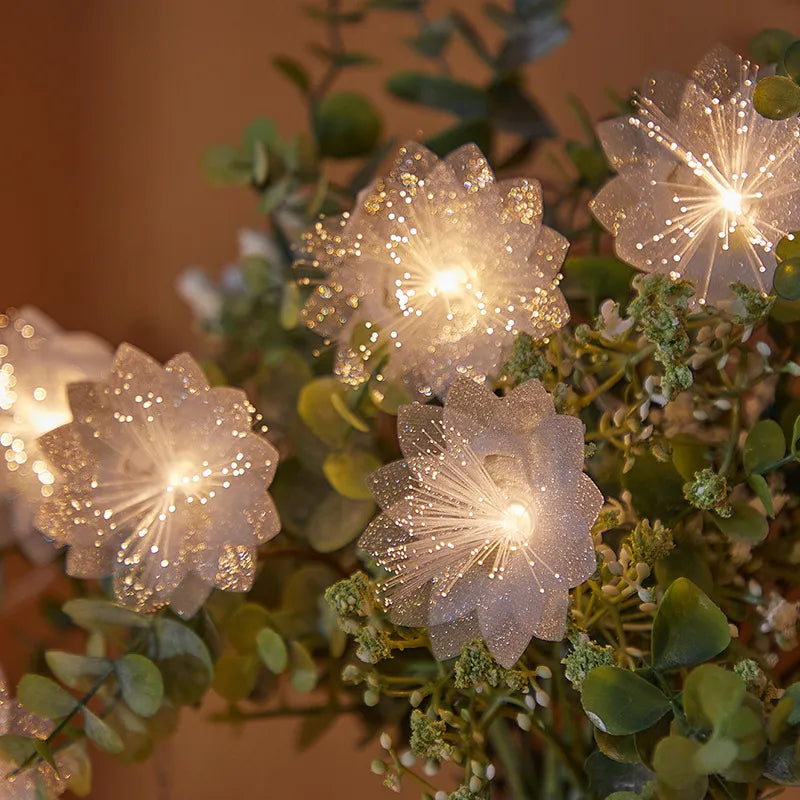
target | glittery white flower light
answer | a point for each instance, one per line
(485, 523)
(37, 361)
(439, 266)
(706, 186)
(164, 484)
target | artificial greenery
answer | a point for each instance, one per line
(674, 680)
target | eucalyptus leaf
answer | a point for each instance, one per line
(791, 61)
(621, 702)
(73, 669)
(235, 676)
(688, 628)
(223, 165)
(768, 46)
(272, 650)
(673, 761)
(347, 471)
(243, 627)
(44, 697)
(101, 733)
(777, 97)
(317, 412)
(337, 521)
(759, 485)
(346, 124)
(303, 671)
(294, 71)
(440, 92)
(764, 445)
(786, 280)
(101, 616)
(711, 694)
(746, 524)
(141, 684)
(184, 661)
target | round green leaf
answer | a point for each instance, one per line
(791, 61)
(346, 125)
(688, 628)
(101, 733)
(243, 627)
(673, 761)
(777, 97)
(786, 280)
(715, 755)
(711, 694)
(184, 661)
(618, 748)
(789, 246)
(347, 472)
(272, 650)
(235, 676)
(747, 524)
(101, 616)
(620, 702)
(44, 697)
(316, 410)
(73, 669)
(222, 165)
(764, 445)
(303, 670)
(337, 521)
(768, 46)
(141, 684)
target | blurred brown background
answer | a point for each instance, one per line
(107, 105)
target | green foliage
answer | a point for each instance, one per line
(346, 125)
(688, 628)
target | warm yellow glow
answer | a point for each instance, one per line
(731, 201)
(448, 281)
(517, 521)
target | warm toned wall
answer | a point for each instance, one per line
(106, 105)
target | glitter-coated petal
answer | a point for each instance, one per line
(162, 484)
(444, 264)
(37, 363)
(486, 522)
(707, 187)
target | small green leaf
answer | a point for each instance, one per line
(764, 445)
(346, 125)
(795, 435)
(768, 46)
(388, 396)
(777, 97)
(100, 616)
(272, 650)
(789, 246)
(44, 697)
(344, 411)
(18, 748)
(618, 748)
(73, 669)
(711, 694)
(688, 627)
(715, 755)
(347, 471)
(184, 661)
(440, 92)
(759, 485)
(673, 761)
(263, 131)
(274, 195)
(235, 676)
(294, 71)
(337, 521)
(747, 524)
(101, 733)
(243, 626)
(223, 165)
(620, 702)
(303, 671)
(76, 764)
(786, 280)
(791, 61)
(316, 410)
(141, 684)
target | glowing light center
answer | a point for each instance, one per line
(180, 474)
(731, 201)
(449, 281)
(517, 522)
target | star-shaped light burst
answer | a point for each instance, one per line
(706, 186)
(439, 266)
(37, 361)
(485, 523)
(164, 483)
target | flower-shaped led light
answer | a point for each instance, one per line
(163, 483)
(485, 523)
(706, 186)
(37, 361)
(439, 266)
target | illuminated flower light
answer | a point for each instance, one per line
(41, 782)
(485, 523)
(164, 484)
(706, 186)
(440, 266)
(37, 361)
